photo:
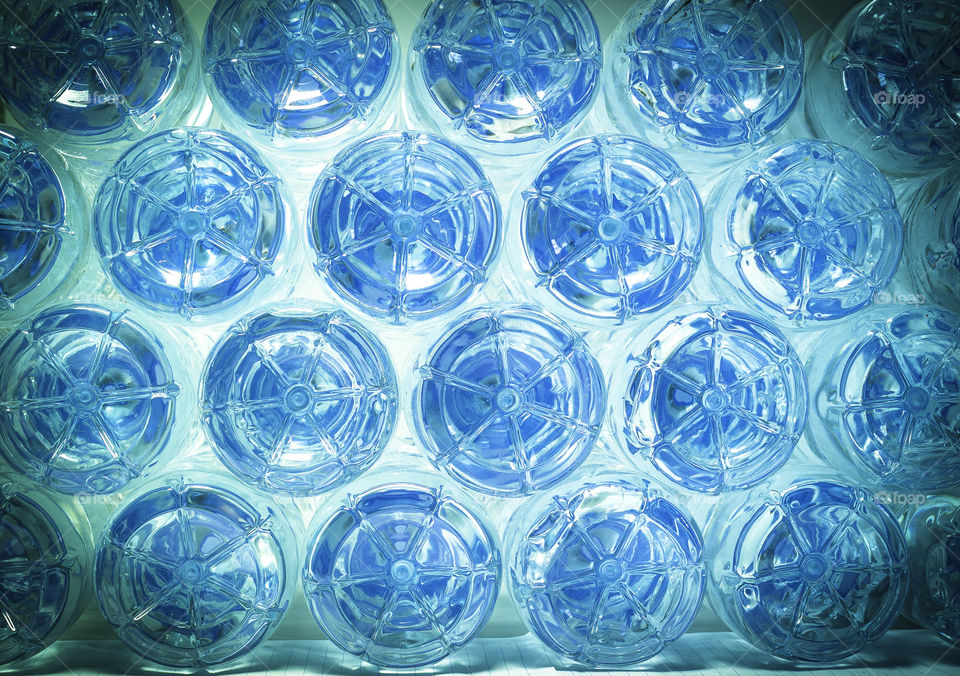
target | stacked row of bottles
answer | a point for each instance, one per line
(603, 316)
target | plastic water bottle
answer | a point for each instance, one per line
(885, 393)
(508, 400)
(94, 76)
(931, 215)
(402, 570)
(705, 75)
(191, 222)
(611, 228)
(809, 570)
(194, 572)
(43, 225)
(89, 399)
(404, 225)
(299, 400)
(883, 80)
(606, 572)
(298, 75)
(45, 563)
(715, 399)
(932, 530)
(807, 232)
(504, 77)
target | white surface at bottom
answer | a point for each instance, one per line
(899, 652)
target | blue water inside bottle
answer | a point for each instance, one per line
(606, 573)
(96, 72)
(505, 73)
(405, 225)
(508, 400)
(713, 74)
(300, 70)
(402, 574)
(890, 402)
(45, 558)
(809, 230)
(38, 242)
(811, 573)
(612, 227)
(87, 398)
(190, 221)
(299, 401)
(932, 530)
(192, 575)
(716, 400)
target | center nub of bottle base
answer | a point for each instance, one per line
(85, 398)
(609, 229)
(610, 570)
(404, 225)
(509, 399)
(192, 572)
(917, 399)
(711, 62)
(298, 50)
(298, 399)
(813, 567)
(714, 399)
(90, 49)
(193, 224)
(402, 571)
(507, 57)
(809, 233)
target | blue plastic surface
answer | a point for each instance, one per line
(612, 228)
(888, 75)
(190, 221)
(931, 216)
(809, 231)
(716, 399)
(713, 74)
(97, 72)
(87, 399)
(192, 575)
(42, 220)
(810, 573)
(402, 574)
(933, 543)
(299, 69)
(404, 225)
(888, 402)
(502, 72)
(45, 562)
(299, 400)
(606, 572)
(508, 400)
